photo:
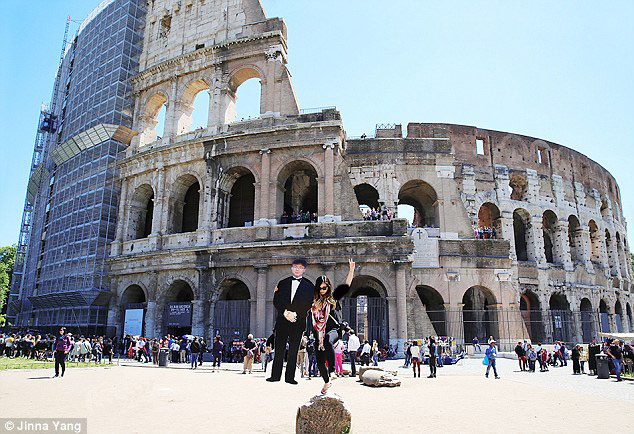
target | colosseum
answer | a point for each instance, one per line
(512, 236)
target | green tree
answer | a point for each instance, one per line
(7, 262)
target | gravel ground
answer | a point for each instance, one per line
(141, 398)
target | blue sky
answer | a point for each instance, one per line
(561, 71)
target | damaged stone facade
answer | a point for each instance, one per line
(205, 216)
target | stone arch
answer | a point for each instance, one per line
(611, 248)
(185, 109)
(232, 310)
(604, 210)
(621, 252)
(422, 196)
(184, 204)
(549, 232)
(628, 314)
(595, 243)
(367, 196)
(297, 190)
(618, 316)
(575, 240)
(479, 314)
(587, 320)
(179, 295)
(531, 311)
(521, 224)
(604, 315)
(147, 120)
(366, 304)
(236, 206)
(561, 318)
(489, 217)
(434, 315)
(141, 212)
(236, 79)
(133, 299)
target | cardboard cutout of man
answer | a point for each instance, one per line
(292, 299)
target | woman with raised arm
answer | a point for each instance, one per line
(325, 322)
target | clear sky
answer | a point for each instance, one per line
(561, 71)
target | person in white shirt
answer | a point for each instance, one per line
(415, 350)
(365, 353)
(353, 346)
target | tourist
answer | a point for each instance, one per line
(476, 345)
(353, 347)
(312, 358)
(556, 353)
(491, 354)
(268, 353)
(217, 349)
(301, 355)
(615, 352)
(532, 357)
(414, 350)
(432, 357)
(365, 353)
(593, 349)
(184, 344)
(249, 354)
(375, 353)
(408, 354)
(203, 350)
(107, 350)
(521, 356)
(175, 349)
(154, 349)
(583, 358)
(325, 322)
(563, 354)
(194, 348)
(576, 366)
(338, 347)
(62, 347)
(292, 299)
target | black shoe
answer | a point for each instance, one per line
(56, 375)
(272, 380)
(430, 376)
(291, 381)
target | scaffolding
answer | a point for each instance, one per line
(71, 205)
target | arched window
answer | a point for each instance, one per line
(521, 220)
(242, 200)
(604, 316)
(575, 240)
(193, 110)
(177, 314)
(613, 258)
(365, 307)
(549, 228)
(297, 193)
(185, 204)
(489, 222)
(151, 122)
(368, 199)
(422, 197)
(595, 243)
(141, 212)
(618, 317)
(250, 96)
(132, 309)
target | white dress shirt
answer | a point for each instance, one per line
(294, 286)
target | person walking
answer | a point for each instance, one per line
(532, 357)
(576, 355)
(353, 347)
(301, 356)
(249, 354)
(476, 345)
(61, 349)
(365, 353)
(415, 352)
(432, 357)
(375, 353)
(338, 348)
(521, 356)
(217, 349)
(194, 348)
(312, 358)
(492, 354)
(616, 353)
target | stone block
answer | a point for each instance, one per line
(323, 414)
(376, 378)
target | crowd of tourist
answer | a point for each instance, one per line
(377, 213)
(484, 233)
(300, 217)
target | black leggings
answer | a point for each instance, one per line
(432, 366)
(60, 360)
(326, 355)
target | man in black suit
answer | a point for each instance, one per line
(292, 299)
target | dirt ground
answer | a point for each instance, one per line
(138, 398)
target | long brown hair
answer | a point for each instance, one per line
(317, 297)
